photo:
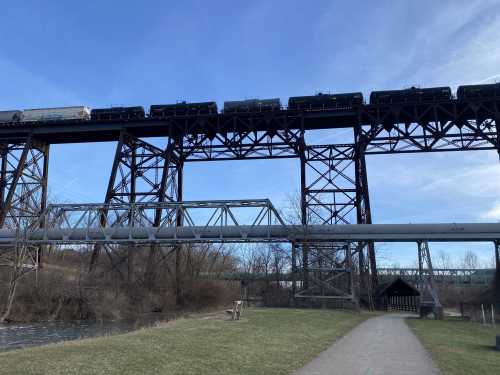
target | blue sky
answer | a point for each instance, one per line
(99, 54)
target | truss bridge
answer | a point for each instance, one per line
(334, 182)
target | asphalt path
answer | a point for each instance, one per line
(383, 345)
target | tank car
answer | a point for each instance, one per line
(473, 92)
(56, 114)
(325, 101)
(182, 109)
(117, 113)
(10, 116)
(252, 105)
(411, 96)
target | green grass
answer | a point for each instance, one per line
(459, 347)
(265, 341)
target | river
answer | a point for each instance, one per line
(22, 335)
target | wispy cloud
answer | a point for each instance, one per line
(22, 88)
(493, 213)
(481, 181)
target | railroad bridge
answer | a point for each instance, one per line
(333, 177)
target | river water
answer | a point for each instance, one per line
(16, 336)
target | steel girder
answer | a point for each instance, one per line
(430, 127)
(237, 138)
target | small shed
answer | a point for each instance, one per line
(397, 295)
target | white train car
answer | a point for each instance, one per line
(55, 114)
(10, 116)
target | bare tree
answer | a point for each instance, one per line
(443, 260)
(470, 260)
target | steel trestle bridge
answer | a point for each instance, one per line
(333, 177)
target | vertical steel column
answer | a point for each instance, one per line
(363, 208)
(178, 248)
(303, 211)
(497, 275)
(294, 271)
(3, 174)
(429, 297)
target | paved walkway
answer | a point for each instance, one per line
(379, 346)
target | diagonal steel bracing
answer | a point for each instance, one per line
(429, 297)
(23, 197)
(240, 137)
(141, 173)
(23, 182)
(430, 127)
(334, 191)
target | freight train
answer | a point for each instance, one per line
(412, 95)
(319, 102)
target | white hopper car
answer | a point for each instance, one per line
(11, 116)
(55, 114)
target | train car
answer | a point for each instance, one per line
(10, 116)
(475, 92)
(56, 114)
(325, 101)
(252, 105)
(182, 109)
(117, 113)
(412, 95)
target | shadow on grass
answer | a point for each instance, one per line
(488, 348)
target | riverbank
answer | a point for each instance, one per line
(265, 341)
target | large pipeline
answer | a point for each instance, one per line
(272, 233)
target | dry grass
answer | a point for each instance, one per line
(459, 347)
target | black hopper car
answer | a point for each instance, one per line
(325, 101)
(478, 92)
(182, 109)
(117, 113)
(252, 105)
(412, 95)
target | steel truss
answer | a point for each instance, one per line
(335, 191)
(241, 139)
(23, 196)
(334, 182)
(329, 273)
(447, 126)
(454, 276)
(429, 297)
(141, 172)
(23, 182)
(102, 223)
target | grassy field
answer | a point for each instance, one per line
(459, 347)
(265, 341)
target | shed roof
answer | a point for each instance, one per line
(397, 287)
